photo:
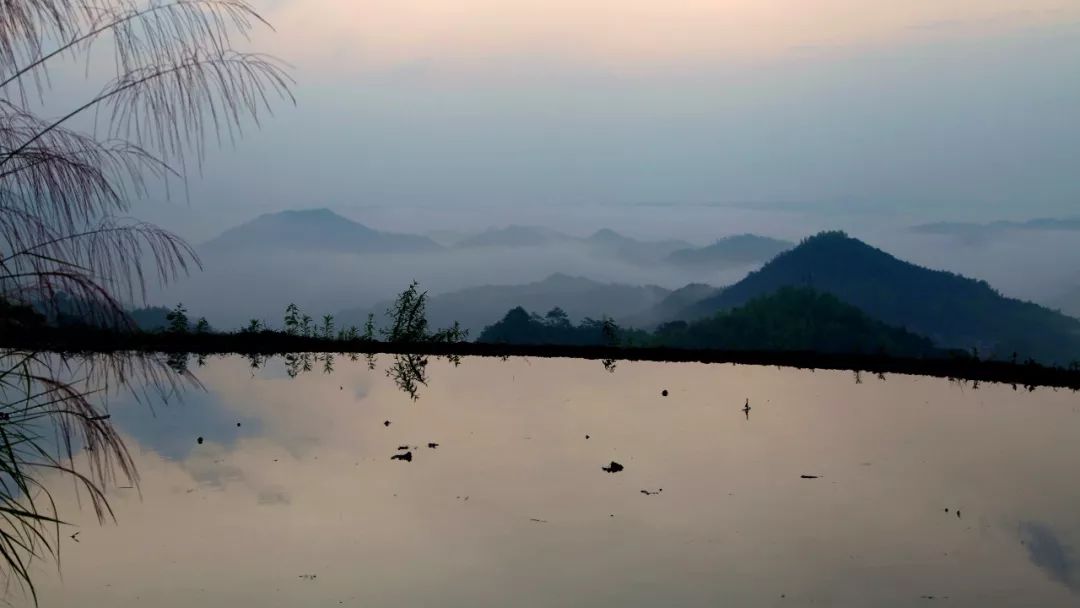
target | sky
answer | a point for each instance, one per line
(938, 109)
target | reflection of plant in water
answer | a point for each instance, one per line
(48, 414)
(408, 372)
(409, 324)
(297, 363)
(255, 361)
(610, 332)
(369, 335)
(178, 362)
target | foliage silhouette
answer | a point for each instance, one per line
(65, 192)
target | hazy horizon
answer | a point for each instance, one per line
(934, 110)
(692, 120)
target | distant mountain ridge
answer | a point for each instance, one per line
(672, 306)
(737, 249)
(975, 233)
(952, 310)
(608, 242)
(515, 235)
(324, 231)
(315, 230)
(603, 242)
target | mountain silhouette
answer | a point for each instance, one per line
(672, 306)
(613, 244)
(602, 243)
(314, 230)
(738, 249)
(952, 310)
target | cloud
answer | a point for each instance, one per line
(274, 496)
(620, 35)
(1047, 551)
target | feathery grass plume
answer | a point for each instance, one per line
(67, 182)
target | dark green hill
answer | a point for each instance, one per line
(952, 310)
(795, 318)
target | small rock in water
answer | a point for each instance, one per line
(407, 457)
(586, 436)
(614, 467)
(199, 440)
(809, 476)
(386, 423)
(663, 393)
(432, 445)
(237, 425)
(402, 447)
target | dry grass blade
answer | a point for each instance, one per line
(65, 241)
(53, 423)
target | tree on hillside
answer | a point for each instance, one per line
(70, 168)
(519, 326)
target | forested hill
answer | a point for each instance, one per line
(952, 310)
(792, 319)
(796, 318)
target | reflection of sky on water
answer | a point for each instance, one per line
(171, 429)
(1048, 552)
(306, 486)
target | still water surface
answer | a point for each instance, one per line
(926, 492)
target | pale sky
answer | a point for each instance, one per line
(942, 108)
